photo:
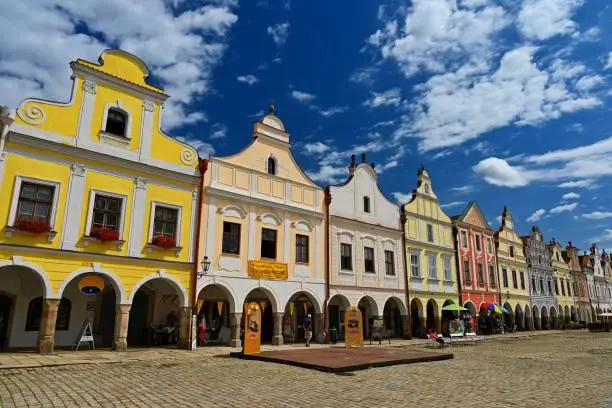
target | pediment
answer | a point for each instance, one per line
(475, 217)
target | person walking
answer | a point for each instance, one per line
(308, 329)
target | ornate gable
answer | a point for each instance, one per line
(474, 216)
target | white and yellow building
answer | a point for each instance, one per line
(512, 271)
(366, 254)
(262, 229)
(95, 195)
(564, 284)
(430, 258)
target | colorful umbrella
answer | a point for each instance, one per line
(503, 309)
(454, 308)
(495, 308)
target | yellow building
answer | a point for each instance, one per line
(564, 283)
(96, 198)
(430, 257)
(262, 229)
(512, 270)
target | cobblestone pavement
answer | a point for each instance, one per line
(569, 369)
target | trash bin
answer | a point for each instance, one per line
(333, 333)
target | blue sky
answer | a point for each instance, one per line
(505, 102)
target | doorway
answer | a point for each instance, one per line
(138, 333)
(6, 306)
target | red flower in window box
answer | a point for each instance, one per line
(164, 241)
(105, 234)
(34, 226)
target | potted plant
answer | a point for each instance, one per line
(105, 234)
(35, 226)
(164, 241)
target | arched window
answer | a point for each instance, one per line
(34, 314)
(271, 165)
(366, 204)
(116, 122)
(63, 315)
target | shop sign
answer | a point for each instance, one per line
(268, 270)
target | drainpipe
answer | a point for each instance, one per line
(196, 264)
(7, 117)
(407, 292)
(328, 199)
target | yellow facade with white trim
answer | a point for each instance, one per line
(66, 146)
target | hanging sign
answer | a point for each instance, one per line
(305, 307)
(200, 303)
(91, 285)
(252, 329)
(268, 270)
(220, 307)
(263, 305)
(353, 331)
(291, 306)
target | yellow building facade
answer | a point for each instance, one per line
(262, 229)
(512, 270)
(430, 258)
(96, 198)
(564, 284)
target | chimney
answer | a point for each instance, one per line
(363, 157)
(353, 165)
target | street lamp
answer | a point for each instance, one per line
(205, 267)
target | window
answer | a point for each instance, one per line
(116, 122)
(557, 255)
(447, 268)
(556, 287)
(389, 263)
(268, 243)
(569, 289)
(477, 238)
(271, 165)
(511, 251)
(301, 248)
(541, 285)
(562, 288)
(522, 280)
(464, 239)
(549, 287)
(34, 203)
(433, 266)
(533, 285)
(514, 281)
(430, 233)
(165, 222)
(63, 315)
(346, 261)
(366, 204)
(34, 314)
(539, 259)
(467, 275)
(414, 265)
(106, 213)
(231, 238)
(368, 256)
(489, 247)
(505, 277)
(492, 280)
(481, 278)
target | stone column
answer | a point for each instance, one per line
(318, 334)
(46, 333)
(235, 319)
(277, 334)
(122, 319)
(185, 322)
(406, 328)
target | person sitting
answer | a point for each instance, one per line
(432, 334)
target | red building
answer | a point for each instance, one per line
(476, 259)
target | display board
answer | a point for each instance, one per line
(353, 328)
(252, 329)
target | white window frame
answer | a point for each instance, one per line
(489, 246)
(448, 269)
(128, 123)
(418, 264)
(429, 227)
(464, 244)
(92, 198)
(478, 242)
(19, 180)
(363, 201)
(179, 220)
(433, 256)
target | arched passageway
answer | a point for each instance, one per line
(337, 307)
(433, 319)
(544, 319)
(369, 310)
(300, 305)
(417, 318)
(268, 305)
(217, 323)
(509, 318)
(447, 316)
(392, 316)
(519, 318)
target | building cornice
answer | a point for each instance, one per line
(427, 245)
(426, 218)
(367, 224)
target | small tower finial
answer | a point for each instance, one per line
(363, 157)
(271, 109)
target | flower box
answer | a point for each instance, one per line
(104, 234)
(163, 241)
(32, 226)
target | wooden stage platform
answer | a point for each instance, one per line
(340, 359)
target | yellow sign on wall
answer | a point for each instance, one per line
(353, 327)
(268, 270)
(252, 329)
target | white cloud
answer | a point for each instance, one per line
(597, 215)
(332, 111)
(328, 174)
(608, 62)
(35, 62)
(604, 238)
(576, 184)
(204, 149)
(316, 147)
(218, 131)
(257, 114)
(247, 79)
(463, 189)
(364, 75)
(303, 97)
(563, 208)
(391, 97)
(383, 123)
(536, 216)
(440, 154)
(543, 19)
(402, 198)
(279, 33)
(586, 83)
(500, 173)
(498, 219)
(571, 196)
(453, 204)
